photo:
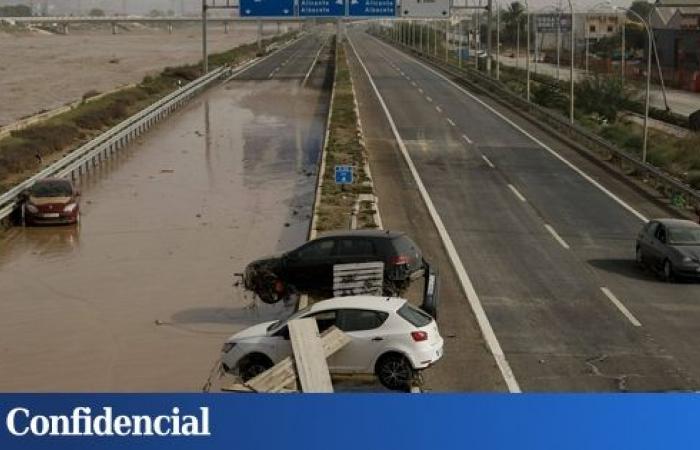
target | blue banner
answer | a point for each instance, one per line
(266, 8)
(350, 421)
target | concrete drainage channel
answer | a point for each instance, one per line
(118, 137)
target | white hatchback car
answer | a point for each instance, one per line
(389, 337)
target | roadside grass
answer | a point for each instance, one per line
(24, 150)
(344, 147)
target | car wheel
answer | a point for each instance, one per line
(668, 271)
(395, 372)
(639, 257)
(253, 365)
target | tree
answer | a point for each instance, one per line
(156, 13)
(513, 16)
(641, 7)
(96, 12)
(15, 11)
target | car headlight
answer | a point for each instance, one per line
(70, 207)
(32, 209)
(227, 347)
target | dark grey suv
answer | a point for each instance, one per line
(309, 268)
(670, 246)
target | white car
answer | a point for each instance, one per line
(389, 337)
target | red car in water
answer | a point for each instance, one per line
(52, 201)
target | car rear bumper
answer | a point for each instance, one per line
(429, 356)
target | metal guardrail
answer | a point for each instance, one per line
(679, 194)
(115, 138)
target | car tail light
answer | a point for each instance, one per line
(400, 259)
(419, 336)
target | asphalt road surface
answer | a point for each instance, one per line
(140, 296)
(549, 252)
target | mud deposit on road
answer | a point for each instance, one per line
(140, 298)
(43, 72)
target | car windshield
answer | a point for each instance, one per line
(53, 188)
(275, 326)
(684, 236)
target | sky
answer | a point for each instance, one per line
(137, 7)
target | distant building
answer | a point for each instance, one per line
(677, 35)
(597, 25)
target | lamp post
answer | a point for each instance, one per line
(498, 41)
(650, 38)
(527, 52)
(571, 65)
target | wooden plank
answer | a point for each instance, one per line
(333, 340)
(275, 378)
(309, 355)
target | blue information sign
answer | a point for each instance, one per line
(343, 174)
(322, 8)
(383, 8)
(266, 8)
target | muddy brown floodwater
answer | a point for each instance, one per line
(140, 297)
(43, 71)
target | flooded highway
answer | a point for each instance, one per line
(140, 296)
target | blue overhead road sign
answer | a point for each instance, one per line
(380, 8)
(266, 8)
(321, 8)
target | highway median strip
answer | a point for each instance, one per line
(353, 205)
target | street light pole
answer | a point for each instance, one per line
(622, 55)
(650, 39)
(489, 38)
(205, 53)
(571, 65)
(527, 51)
(498, 41)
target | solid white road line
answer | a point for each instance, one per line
(488, 162)
(556, 236)
(313, 64)
(467, 286)
(626, 312)
(451, 122)
(517, 193)
(606, 191)
(466, 138)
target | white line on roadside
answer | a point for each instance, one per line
(626, 312)
(313, 63)
(413, 83)
(488, 161)
(517, 193)
(556, 236)
(438, 109)
(467, 286)
(420, 90)
(451, 122)
(466, 138)
(606, 191)
(429, 99)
